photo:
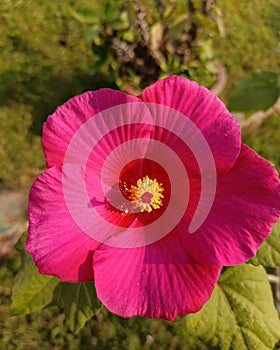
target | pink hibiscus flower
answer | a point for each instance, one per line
(149, 196)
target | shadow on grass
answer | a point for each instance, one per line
(43, 90)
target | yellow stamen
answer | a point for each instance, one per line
(147, 195)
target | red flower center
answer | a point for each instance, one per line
(146, 184)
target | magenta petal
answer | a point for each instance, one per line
(246, 206)
(158, 280)
(57, 244)
(205, 110)
(61, 126)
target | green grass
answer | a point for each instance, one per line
(252, 38)
(265, 141)
(44, 61)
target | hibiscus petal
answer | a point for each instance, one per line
(158, 280)
(205, 110)
(57, 244)
(246, 206)
(61, 126)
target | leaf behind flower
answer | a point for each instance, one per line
(269, 252)
(31, 290)
(79, 301)
(240, 314)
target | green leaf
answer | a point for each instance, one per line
(240, 314)
(182, 22)
(93, 33)
(96, 67)
(113, 10)
(20, 244)
(269, 252)
(31, 291)
(79, 301)
(99, 50)
(87, 16)
(259, 92)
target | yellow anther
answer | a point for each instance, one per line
(147, 195)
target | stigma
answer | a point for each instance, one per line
(147, 194)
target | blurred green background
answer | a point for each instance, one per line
(51, 51)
